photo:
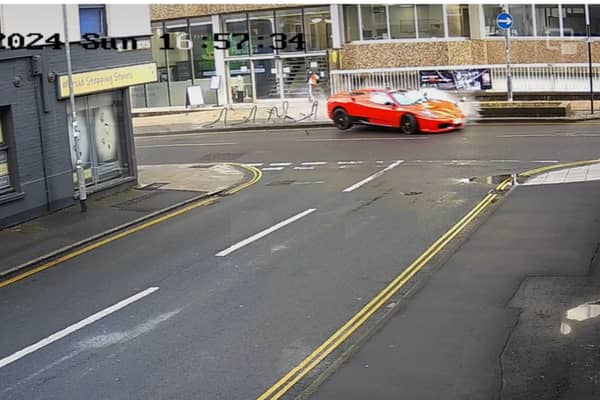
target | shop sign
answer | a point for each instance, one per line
(107, 79)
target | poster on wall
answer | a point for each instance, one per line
(464, 79)
(105, 132)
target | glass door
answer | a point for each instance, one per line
(266, 79)
(240, 86)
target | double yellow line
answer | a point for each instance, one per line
(281, 387)
(291, 378)
(256, 175)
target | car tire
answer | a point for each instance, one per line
(341, 119)
(408, 124)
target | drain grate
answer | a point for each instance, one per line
(221, 156)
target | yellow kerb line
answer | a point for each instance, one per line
(204, 202)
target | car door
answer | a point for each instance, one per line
(382, 109)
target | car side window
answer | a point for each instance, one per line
(380, 98)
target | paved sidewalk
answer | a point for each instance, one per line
(160, 187)
(513, 314)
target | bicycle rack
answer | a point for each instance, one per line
(284, 112)
(222, 114)
(251, 116)
(313, 112)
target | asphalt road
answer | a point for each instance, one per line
(216, 322)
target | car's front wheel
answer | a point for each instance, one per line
(408, 124)
(341, 119)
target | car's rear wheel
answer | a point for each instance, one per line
(341, 119)
(408, 124)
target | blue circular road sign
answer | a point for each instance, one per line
(504, 21)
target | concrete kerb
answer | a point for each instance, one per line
(339, 357)
(239, 128)
(250, 179)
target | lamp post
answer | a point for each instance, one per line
(589, 48)
(75, 126)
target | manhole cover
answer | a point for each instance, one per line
(280, 183)
(221, 156)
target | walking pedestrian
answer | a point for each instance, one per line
(312, 85)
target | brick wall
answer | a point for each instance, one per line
(170, 11)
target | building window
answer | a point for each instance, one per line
(490, 12)
(317, 28)
(430, 20)
(262, 26)
(594, 11)
(100, 118)
(458, 20)
(235, 23)
(573, 19)
(547, 20)
(351, 24)
(5, 183)
(92, 19)
(203, 50)
(522, 19)
(178, 58)
(402, 21)
(374, 22)
(289, 22)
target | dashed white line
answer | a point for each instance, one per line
(350, 162)
(307, 182)
(264, 233)
(272, 168)
(347, 166)
(374, 176)
(75, 327)
(304, 168)
(314, 163)
(280, 164)
(255, 164)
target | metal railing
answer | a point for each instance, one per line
(526, 77)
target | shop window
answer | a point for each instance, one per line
(490, 12)
(402, 21)
(317, 23)
(430, 20)
(240, 81)
(374, 22)
(458, 20)
(547, 20)
(573, 20)
(289, 22)
(262, 26)
(92, 19)
(178, 58)
(100, 119)
(522, 19)
(351, 24)
(594, 11)
(5, 181)
(203, 48)
(234, 24)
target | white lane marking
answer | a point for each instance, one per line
(350, 162)
(272, 168)
(374, 176)
(379, 162)
(264, 233)
(152, 146)
(307, 182)
(255, 164)
(280, 164)
(314, 163)
(504, 160)
(346, 166)
(360, 139)
(529, 135)
(303, 168)
(75, 327)
(546, 161)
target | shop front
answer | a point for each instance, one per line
(103, 119)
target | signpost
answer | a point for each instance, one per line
(504, 21)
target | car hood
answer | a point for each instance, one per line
(442, 108)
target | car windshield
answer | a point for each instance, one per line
(406, 98)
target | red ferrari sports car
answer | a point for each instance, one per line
(412, 112)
